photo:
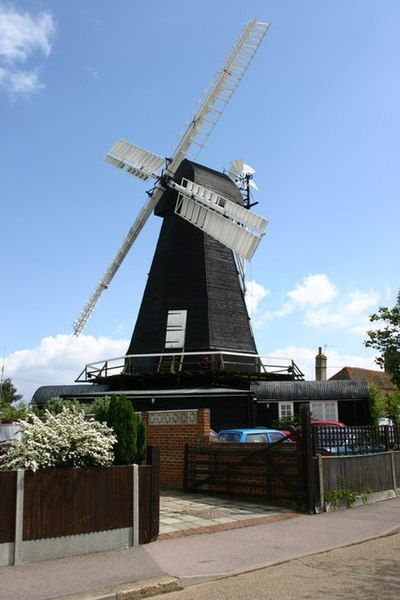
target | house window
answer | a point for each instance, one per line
(285, 410)
(324, 411)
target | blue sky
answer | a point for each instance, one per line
(317, 116)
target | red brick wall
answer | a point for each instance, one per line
(171, 438)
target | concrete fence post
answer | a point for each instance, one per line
(19, 516)
(321, 481)
(135, 516)
(393, 467)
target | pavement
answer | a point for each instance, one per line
(198, 558)
(366, 571)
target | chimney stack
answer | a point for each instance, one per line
(320, 366)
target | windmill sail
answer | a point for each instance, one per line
(134, 160)
(229, 223)
(221, 91)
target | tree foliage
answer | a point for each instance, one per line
(9, 392)
(376, 405)
(393, 406)
(387, 339)
(13, 413)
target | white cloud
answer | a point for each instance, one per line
(255, 293)
(58, 360)
(313, 290)
(23, 82)
(22, 36)
(322, 304)
(350, 313)
(304, 358)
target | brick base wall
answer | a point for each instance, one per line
(170, 430)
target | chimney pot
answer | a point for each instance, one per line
(320, 366)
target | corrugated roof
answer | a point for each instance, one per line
(45, 392)
(310, 390)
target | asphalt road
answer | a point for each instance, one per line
(367, 571)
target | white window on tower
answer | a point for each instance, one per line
(285, 409)
(176, 329)
(324, 411)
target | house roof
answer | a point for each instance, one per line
(381, 379)
(45, 392)
(89, 391)
(310, 390)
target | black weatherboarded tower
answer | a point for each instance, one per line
(193, 301)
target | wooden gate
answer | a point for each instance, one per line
(281, 473)
(272, 473)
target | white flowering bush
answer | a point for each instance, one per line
(62, 440)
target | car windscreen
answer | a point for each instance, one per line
(229, 437)
(274, 436)
(261, 438)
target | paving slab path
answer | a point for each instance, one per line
(187, 514)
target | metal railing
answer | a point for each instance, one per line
(180, 362)
(361, 439)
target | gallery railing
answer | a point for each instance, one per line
(178, 362)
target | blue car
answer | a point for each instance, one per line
(259, 435)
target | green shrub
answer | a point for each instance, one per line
(56, 405)
(141, 441)
(340, 496)
(99, 409)
(286, 422)
(121, 418)
(64, 439)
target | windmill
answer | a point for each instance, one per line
(193, 300)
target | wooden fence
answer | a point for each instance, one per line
(118, 504)
(363, 473)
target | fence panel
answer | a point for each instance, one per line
(8, 492)
(397, 467)
(60, 502)
(248, 470)
(361, 473)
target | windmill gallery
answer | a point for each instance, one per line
(193, 345)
